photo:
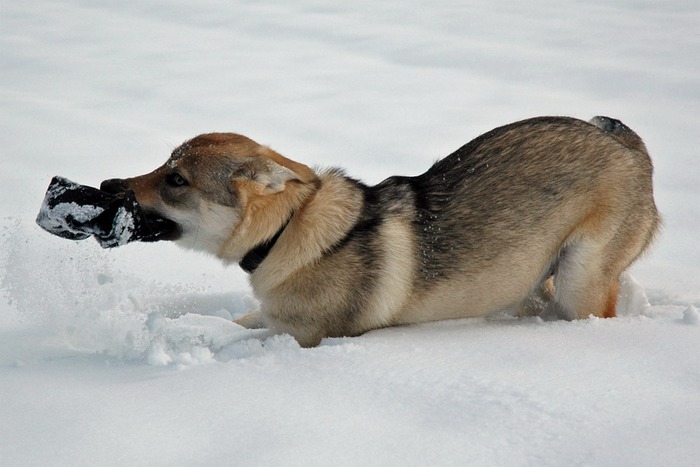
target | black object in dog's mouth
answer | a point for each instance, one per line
(77, 212)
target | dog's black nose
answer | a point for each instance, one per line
(113, 186)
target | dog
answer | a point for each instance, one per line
(540, 216)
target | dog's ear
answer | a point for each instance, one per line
(263, 175)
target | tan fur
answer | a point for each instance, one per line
(320, 223)
(539, 217)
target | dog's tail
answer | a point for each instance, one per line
(621, 132)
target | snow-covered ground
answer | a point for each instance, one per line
(128, 356)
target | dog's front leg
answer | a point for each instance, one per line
(253, 320)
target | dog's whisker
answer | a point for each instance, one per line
(194, 240)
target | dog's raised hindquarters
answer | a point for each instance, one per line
(543, 214)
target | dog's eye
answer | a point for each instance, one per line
(174, 179)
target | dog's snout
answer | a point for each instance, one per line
(114, 186)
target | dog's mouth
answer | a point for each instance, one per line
(77, 212)
(151, 226)
(157, 228)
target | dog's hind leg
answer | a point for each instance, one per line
(581, 287)
(587, 274)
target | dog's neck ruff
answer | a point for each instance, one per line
(257, 255)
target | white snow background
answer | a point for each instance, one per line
(129, 357)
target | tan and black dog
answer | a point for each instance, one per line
(548, 208)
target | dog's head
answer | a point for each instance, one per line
(223, 192)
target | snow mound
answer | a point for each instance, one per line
(75, 294)
(196, 339)
(632, 299)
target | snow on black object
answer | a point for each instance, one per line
(77, 212)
